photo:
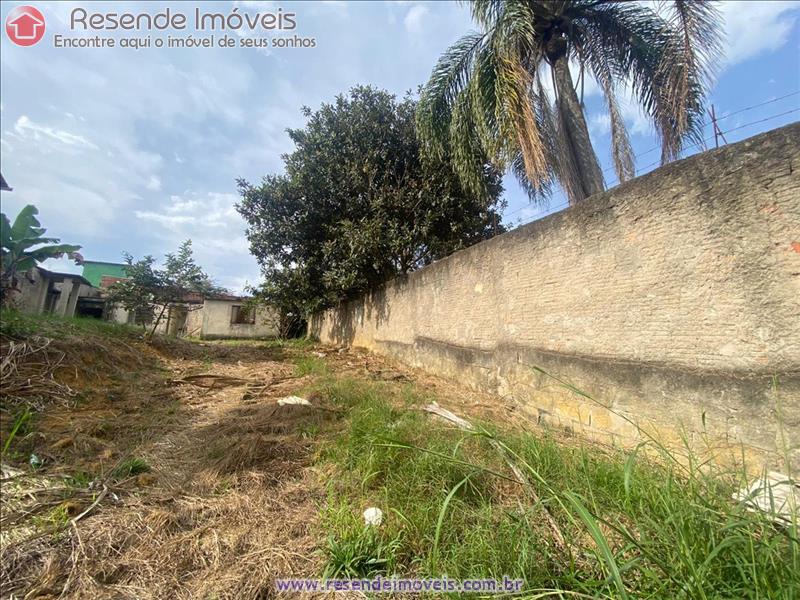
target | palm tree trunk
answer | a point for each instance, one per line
(578, 143)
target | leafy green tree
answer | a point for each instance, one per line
(24, 246)
(487, 93)
(358, 204)
(149, 292)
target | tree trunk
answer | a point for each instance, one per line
(578, 143)
(155, 325)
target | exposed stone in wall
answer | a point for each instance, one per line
(673, 300)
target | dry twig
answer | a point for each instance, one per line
(26, 372)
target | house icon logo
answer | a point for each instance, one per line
(25, 25)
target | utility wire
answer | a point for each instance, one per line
(696, 144)
(707, 123)
(708, 139)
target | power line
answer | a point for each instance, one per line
(696, 144)
(783, 114)
(741, 110)
(707, 123)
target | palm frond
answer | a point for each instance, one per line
(514, 42)
(540, 189)
(621, 149)
(483, 89)
(689, 61)
(467, 155)
(485, 12)
(698, 24)
(633, 42)
(513, 32)
(562, 164)
(516, 119)
(449, 78)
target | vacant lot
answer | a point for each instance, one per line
(179, 470)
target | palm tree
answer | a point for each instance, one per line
(18, 253)
(487, 101)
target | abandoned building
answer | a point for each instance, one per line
(64, 294)
(230, 317)
(72, 295)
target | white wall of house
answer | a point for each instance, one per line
(211, 320)
(217, 316)
(194, 322)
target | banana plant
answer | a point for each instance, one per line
(22, 248)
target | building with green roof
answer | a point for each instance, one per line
(103, 274)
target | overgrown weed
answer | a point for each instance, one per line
(311, 365)
(16, 324)
(635, 527)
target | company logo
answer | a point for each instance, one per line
(25, 25)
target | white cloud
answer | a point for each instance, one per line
(170, 221)
(756, 27)
(27, 128)
(415, 18)
(153, 184)
(217, 230)
(212, 210)
(600, 124)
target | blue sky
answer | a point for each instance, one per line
(135, 151)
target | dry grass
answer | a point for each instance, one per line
(230, 501)
(26, 372)
(226, 544)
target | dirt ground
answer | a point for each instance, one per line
(229, 499)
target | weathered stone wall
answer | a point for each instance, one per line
(673, 300)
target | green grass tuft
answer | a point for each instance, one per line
(130, 467)
(20, 428)
(635, 528)
(354, 549)
(311, 365)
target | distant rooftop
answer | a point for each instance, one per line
(56, 276)
(3, 185)
(102, 262)
(95, 271)
(228, 297)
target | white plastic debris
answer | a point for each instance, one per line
(774, 494)
(373, 516)
(293, 400)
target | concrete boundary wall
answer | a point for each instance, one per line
(673, 299)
